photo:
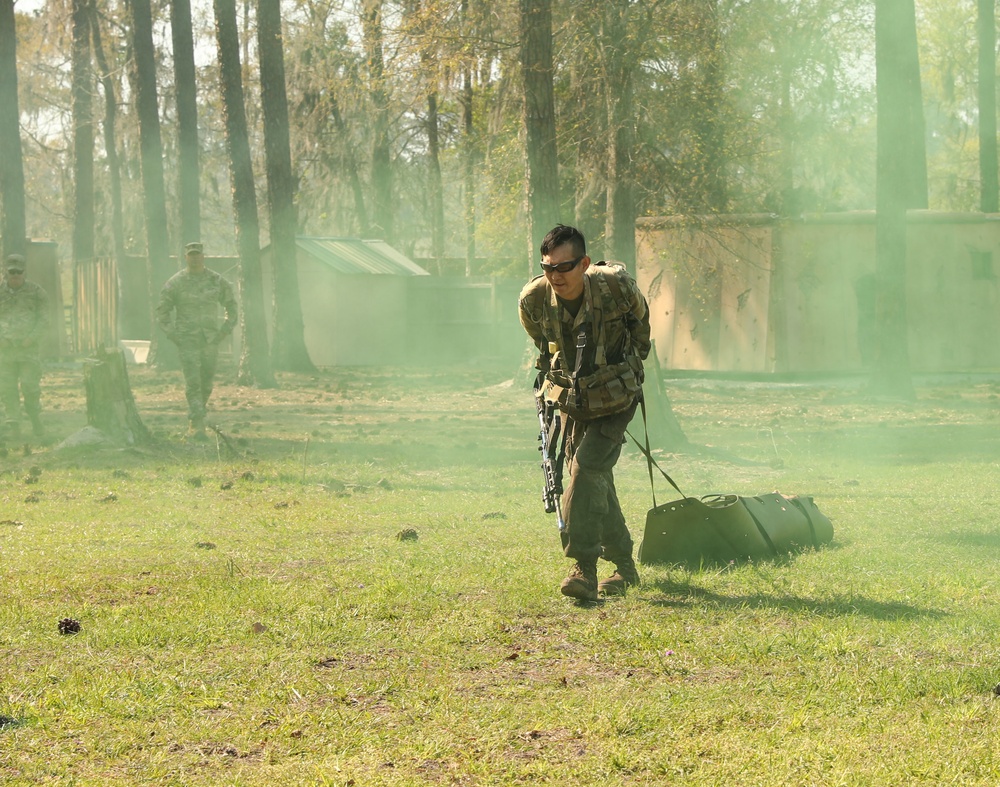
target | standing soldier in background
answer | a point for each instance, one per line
(591, 326)
(188, 313)
(24, 319)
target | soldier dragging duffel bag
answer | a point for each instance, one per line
(590, 324)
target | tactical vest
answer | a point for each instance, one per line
(594, 387)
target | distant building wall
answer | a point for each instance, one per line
(454, 319)
(708, 287)
(762, 294)
(352, 320)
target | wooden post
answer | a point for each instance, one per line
(110, 405)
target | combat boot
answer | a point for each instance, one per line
(196, 430)
(625, 576)
(581, 583)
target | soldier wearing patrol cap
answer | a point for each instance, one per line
(24, 319)
(188, 312)
(590, 323)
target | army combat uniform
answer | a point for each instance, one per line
(24, 320)
(188, 312)
(595, 376)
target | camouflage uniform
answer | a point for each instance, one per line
(24, 319)
(188, 312)
(599, 397)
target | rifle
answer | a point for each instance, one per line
(552, 444)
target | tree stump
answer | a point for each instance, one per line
(110, 404)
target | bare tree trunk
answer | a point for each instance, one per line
(620, 222)
(903, 93)
(13, 223)
(83, 137)
(468, 156)
(988, 176)
(361, 211)
(542, 176)
(435, 184)
(289, 349)
(787, 202)
(468, 172)
(189, 167)
(711, 191)
(110, 134)
(383, 223)
(900, 160)
(143, 78)
(255, 362)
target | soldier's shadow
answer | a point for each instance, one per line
(685, 594)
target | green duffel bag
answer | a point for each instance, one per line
(715, 529)
(819, 524)
(785, 526)
(728, 528)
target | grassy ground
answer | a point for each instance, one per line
(255, 619)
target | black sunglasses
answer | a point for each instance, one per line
(562, 267)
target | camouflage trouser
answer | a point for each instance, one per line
(198, 364)
(24, 367)
(595, 525)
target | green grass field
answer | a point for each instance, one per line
(254, 619)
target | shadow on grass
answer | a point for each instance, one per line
(856, 605)
(912, 444)
(971, 539)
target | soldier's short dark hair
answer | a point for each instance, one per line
(561, 234)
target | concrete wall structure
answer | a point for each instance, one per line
(759, 294)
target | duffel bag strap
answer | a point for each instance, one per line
(650, 462)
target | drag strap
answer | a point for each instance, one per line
(650, 462)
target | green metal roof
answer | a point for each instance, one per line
(355, 255)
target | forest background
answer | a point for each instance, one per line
(460, 131)
(737, 107)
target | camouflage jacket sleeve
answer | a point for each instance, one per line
(165, 308)
(530, 304)
(24, 314)
(228, 301)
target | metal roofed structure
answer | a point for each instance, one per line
(355, 298)
(356, 255)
